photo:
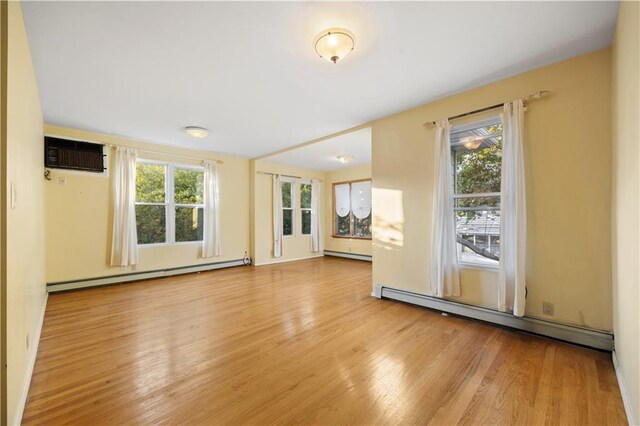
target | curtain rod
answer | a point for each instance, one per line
(539, 95)
(111, 145)
(278, 174)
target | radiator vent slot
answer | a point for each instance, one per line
(73, 155)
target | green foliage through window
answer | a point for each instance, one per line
(181, 207)
(476, 155)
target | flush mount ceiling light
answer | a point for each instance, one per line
(334, 44)
(344, 158)
(197, 132)
(472, 142)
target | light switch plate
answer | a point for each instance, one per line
(14, 195)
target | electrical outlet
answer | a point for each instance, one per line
(547, 308)
(27, 341)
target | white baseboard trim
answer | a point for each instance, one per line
(137, 276)
(356, 256)
(579, 335)
(623, 390)
(31, 363)
(272, 262)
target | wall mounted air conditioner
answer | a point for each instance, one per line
(73, 155)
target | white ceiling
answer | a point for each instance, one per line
(248, 71)
(323, 155)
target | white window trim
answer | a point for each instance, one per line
(169, 202)
(301, 209)
(292, 208)
(465, 264)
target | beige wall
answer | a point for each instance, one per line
(345, 245)
(25, 221)
(626, 201)
(568, 172)
(294, 247)
(79, 215)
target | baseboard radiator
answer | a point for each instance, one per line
(579, 335)
(356, 256)
(137, 276)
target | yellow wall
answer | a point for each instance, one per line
(3, 185)
(79, 215)
(568, 172)
(294, 247)
(345, 245)
(626, 201)
(26, 293)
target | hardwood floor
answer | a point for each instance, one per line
(303, 343)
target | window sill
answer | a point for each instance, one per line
(179, 243)
(351, 237)
(483, 266)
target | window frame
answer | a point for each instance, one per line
(292, 208)
(303, 209)
(488, 263)
(351, 235)
(169, 201)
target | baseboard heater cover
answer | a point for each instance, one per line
(356, 256)
(137, 276)
(581, 336)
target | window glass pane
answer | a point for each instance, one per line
(150, 183)
(342, 201)
(343, 225)
(287, 222)
(361, 199)
(151, 224)
(188, 186)
(189, 223)
(477, 159)
(306, 222)
(478, 233)
(286, 194)
(362, 227)
(305, 196)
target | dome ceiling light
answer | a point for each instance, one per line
(344, 158)
(196, 132)
(334, 44)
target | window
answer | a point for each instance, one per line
(352, 209)
(169, 203)
(287, 208)
(476, 153)
(305, 208)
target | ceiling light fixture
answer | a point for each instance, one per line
(472, 142)
(334, 44)
(344, 158)
(196, 132)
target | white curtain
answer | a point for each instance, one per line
(277, 216)
(316, 232)
(513, 217)
(361, 199)
(211, 222)
(445, 279)
(124, 241)
(343, 200)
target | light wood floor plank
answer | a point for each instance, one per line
(299, 343)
